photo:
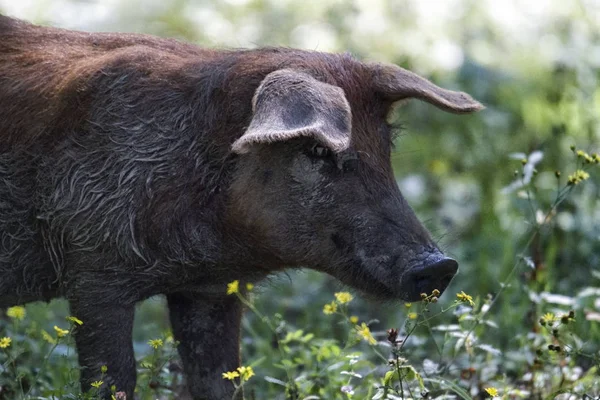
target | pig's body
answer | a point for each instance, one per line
(132, 166)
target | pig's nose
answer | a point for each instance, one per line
(429, 276)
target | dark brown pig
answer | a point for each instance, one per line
(132, 166)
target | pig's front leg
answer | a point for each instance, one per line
(208, 331)
(105, 339)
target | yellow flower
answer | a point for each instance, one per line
(413, 315)
(343, 297)
(249, 286)
(408, 305)
(364, 331)
(492, 391)
(246, 373)
(330, 308)
(103, 369)
(548, 317)
(60, 332)
(230, 375)
(465, 298)
(47, 337)
(97, 384)
(233, 287)
(5, 342)
(354, 319)
(578, 177)
(16, 312)
(155, 343)
(75, 320)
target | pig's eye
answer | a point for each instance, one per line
(320, 151)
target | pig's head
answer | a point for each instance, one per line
(314, 186)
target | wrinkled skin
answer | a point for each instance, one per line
(132, 166)
(330, 213)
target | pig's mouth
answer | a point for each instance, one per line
(434, 274)
(426, 272)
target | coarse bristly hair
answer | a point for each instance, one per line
(132, 166)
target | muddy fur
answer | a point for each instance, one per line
(118, 182)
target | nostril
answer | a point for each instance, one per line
(445, 281)
(422, 284)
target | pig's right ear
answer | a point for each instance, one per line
(290, 104)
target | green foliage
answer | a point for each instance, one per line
(499, 190)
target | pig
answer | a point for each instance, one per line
(133, 166)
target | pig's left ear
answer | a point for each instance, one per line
(395, 84)
(290, 104)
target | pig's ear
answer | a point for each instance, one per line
(290, 104)
(397, 84)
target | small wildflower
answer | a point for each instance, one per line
(75, 320)
(246, 373)
(408, 305)
(354, 319)
(233, 287)
(412, 315)
(231, 375)
(578, 177)
(492, 391)
(465, 298)
(5, 342)
(348, 389)
(60, 332)
(548, 318)
(155, 343)
(103, 369)
(436, 293)
(97, 384)
(249, 286)
(47, 337)
(343, 297)
(16, 312)
(330, 308)
(523, 161)
(423, 295)
(364, 331)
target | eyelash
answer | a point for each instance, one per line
(396, 130)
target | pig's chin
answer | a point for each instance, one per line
(408, 285)
(375, 288)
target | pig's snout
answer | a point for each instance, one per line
(430, 274)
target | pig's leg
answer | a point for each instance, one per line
(208, 331)
(105, 338)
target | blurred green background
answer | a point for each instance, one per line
(534, 64)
